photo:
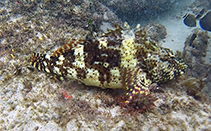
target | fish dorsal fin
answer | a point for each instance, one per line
(70, 43)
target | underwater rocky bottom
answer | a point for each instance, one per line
(32, 100)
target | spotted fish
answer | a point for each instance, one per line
(122, 58)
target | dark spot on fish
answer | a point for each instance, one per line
(81, 73)
(205, 22)
(54, 58)
(190, 20)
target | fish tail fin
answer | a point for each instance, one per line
(44, 62)
(38, 61)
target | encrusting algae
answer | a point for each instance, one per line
(121, 58)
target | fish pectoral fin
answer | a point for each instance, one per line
(135, 82)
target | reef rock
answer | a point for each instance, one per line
(196, 56)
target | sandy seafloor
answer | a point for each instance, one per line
(30, 100)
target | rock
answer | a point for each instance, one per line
(156, 32)
(134, 11)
